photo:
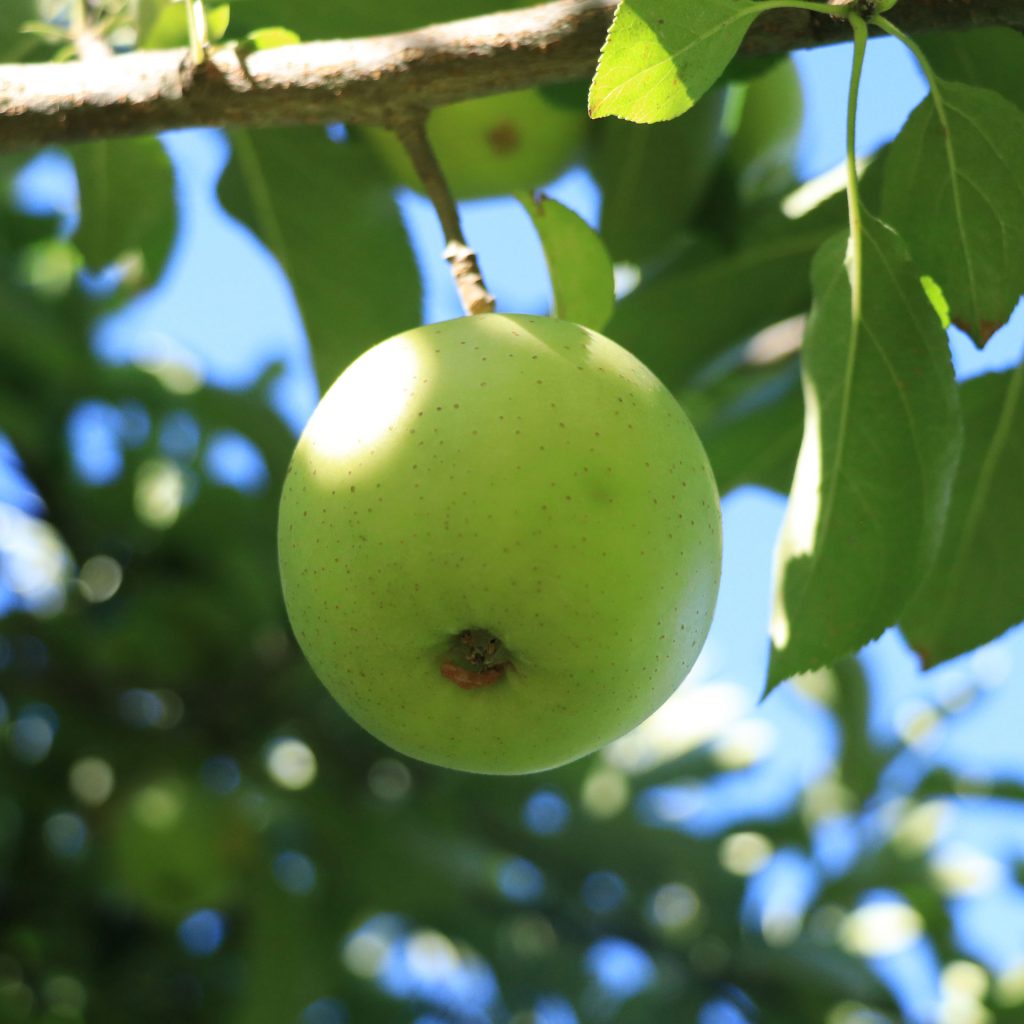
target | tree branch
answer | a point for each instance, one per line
(376, 79)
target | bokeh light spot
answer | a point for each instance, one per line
(290, 763)
(65, 834)
(100, 578)
(91, 780)
(546, 812)
(295, 872)
(744, 853)
(203, 932)
(389, 779)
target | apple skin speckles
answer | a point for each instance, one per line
(574, 523)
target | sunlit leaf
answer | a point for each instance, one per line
(880, 447)
(956, 194)
(976, 589)
(269, 38)
(661, 56)
(579, 265)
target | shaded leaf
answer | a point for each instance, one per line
(661, 56)
(881, 441)
(751, 424)
(762, 153)
(578, 263)
(653, 176)
(976, 589)
(347, 258)
(957, 197)
(712, 299)
(314, 19)
(989, 57)
(126, 201)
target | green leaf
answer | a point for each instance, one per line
(989, 57)
(579, 264)
(126, 200)
(762, 152)
(315, 19)
(976, 589)
(653, 176)
(879, 453)
(711, 300)
(163, 25)
(661, 56)
(269, 38)
(957, 197)
(750, 424)
(348, 259)
(15, 43)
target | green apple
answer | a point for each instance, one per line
(763, 150)
(494, 145)
(174, 847)
(499, 542)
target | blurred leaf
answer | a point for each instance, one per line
(578, 263)
(653, 176)
(290, 955)
(661, 56)
(974, 168)
(269, 38)
(15, 44)
(988, 57)
(879, 453)
(976, 589)
(348, 260)
(126, 201)
(163, 24)
(314, 19)
(762, 152)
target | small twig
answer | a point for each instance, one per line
(412, 131)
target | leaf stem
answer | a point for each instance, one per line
(198, 31)
(933, 83)
(412, 132)
(860, 41)
(947, 133)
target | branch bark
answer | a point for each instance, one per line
(376, 80)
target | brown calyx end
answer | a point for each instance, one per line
(475, 658)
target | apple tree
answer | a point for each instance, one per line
(499, 537)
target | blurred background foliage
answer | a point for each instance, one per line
(192, 831)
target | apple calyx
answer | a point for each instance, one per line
(476, 658)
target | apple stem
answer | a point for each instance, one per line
(411, 129)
